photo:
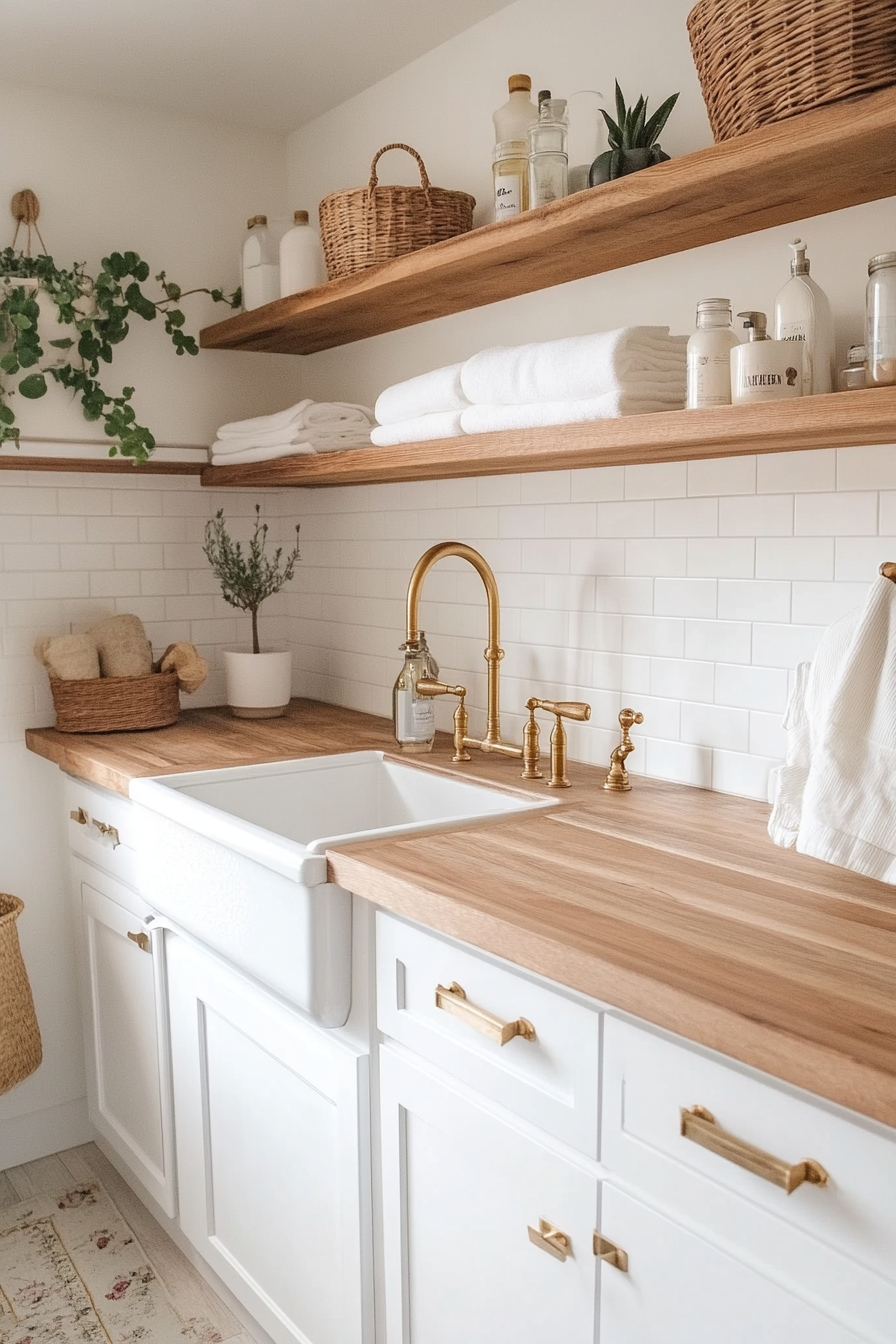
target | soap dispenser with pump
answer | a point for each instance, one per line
(803, 315)
(413, 714)
(763, 369)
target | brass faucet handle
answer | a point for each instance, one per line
(566, 709)
(426, 686)
(562, 709)
(617, 780)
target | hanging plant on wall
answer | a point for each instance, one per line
(64, 324)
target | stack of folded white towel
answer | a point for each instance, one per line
(307, 427)
(632, 371)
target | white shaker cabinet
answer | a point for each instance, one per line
(462, 1188)
(271, 1127)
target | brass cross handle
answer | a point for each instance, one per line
(617, 780)
(563, 709)
(549, 1238)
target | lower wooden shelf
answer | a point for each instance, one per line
(118, 465)
(839, 420)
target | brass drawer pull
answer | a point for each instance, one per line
(108, 832)
(610, 1253)
(143, 941)
(454, 1000)
(80, 816)
(551, 1239)
(700, 1126)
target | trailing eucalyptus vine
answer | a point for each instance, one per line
(98, 311)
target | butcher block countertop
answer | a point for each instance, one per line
(668, 902)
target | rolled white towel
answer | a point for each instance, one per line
(261, 454)
(265, 424)
(632, 359)
(426, 394)
(610, 406)
(439, 425)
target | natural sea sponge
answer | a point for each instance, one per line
(123, 647)
(188, 663)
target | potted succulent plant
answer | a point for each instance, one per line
(259, 681)
(633, 139)
(60, 325)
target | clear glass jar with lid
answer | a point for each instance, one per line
(709, 356)
(880, 321)
(548, 156)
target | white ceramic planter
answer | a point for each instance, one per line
(258, 684)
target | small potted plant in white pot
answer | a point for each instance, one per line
(259, 681)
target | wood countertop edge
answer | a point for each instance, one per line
(827, 1073)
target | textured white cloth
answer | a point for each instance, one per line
(261, 454)
(265, 424)
(307, 427)
(642, 360)
(482, 419)
(439, 425)
(837, 794)
(426, 394)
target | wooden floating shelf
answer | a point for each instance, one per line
(116, 465)
(825, 160)
(839, 420)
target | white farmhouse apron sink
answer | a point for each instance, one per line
(237, 857)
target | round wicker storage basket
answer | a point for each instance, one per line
(115, 704)
(363, 226)
(20, 1047)
(761, 61)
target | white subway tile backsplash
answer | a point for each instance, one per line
(682, 679)
(15, 528)
(679, 761)
(866, 468)
(601, 631)
(844, 514)
(794, 557)
(564, 592)
(656, 556)
(569, 520)
(656, 480)
(546, 487)
(627, 518)
(887, 516)
(737, 772)
(633, 596)
(753, 600)
(768, 737)
(597, 557)
(115, 583)
(31, 558)
(822, 603)
(859, 558)
(598, 483)
(655, 636)
(722, 476)
(751, 687)
(778, 473)
(548, 556)
(714, 726)
(721, 557)
(718, 641)
(785, 645)
(756, 516)
(687, 517)
(685, 597)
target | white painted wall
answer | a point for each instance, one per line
(689, 590)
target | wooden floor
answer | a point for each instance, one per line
(189, 1293)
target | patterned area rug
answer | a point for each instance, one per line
(72, 1272)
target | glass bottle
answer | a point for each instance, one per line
(511, 173)
(880, 321)
(413, 715)
(513, 119)
(852, 375)
(260, 268)
(709, 356)
(548, 157)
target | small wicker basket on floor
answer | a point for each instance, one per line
(20, 1047)
(363, 226)
(115, 704)
(761, 61)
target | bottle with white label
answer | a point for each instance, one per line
(511, 174)
(302, 264)
(413, 715)
(803, 315)
(880, 321)
(709, 356)
(261, 268)
(763, 369)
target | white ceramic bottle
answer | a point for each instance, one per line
(260, 269)
(803, 315)
(763, 369)
(709, 356)
(302, 264)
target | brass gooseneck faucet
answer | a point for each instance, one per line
(493, 651)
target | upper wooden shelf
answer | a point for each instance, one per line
(839, 420)
(826, 160)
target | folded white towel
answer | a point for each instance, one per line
(336, 415)
(306, 414)
(439, 425)
(273, 438)
(261, 454)
(264, 424)
(633, 359)
(841, 801)
(483, 419)
(426, 394)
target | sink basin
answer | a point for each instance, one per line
(236, 857)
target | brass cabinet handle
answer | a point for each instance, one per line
(80, 816)
(111, 832)
(700, 1126)
(143, 941)
(549, 1238)
(454, 1000)
(610, 1253)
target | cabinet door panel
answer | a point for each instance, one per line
(461, 1188)
(679, 1289)
(269, 1126)
(128, 1094)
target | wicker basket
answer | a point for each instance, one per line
(20, 1048)
(766, 60)
(366, 225)
(115, 704)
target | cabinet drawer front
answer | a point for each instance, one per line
(453, 1006)
(844, 1230)
(100, 829)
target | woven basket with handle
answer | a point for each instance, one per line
(115, 704)
(761, 61)
(363, 226)
(20, 1047)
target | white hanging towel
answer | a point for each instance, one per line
(837, 794)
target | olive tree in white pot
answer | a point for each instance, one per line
(259, 681)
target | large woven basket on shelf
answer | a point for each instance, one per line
(363, 226)
(20, 1047)
(115, 704)
(761, 61)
